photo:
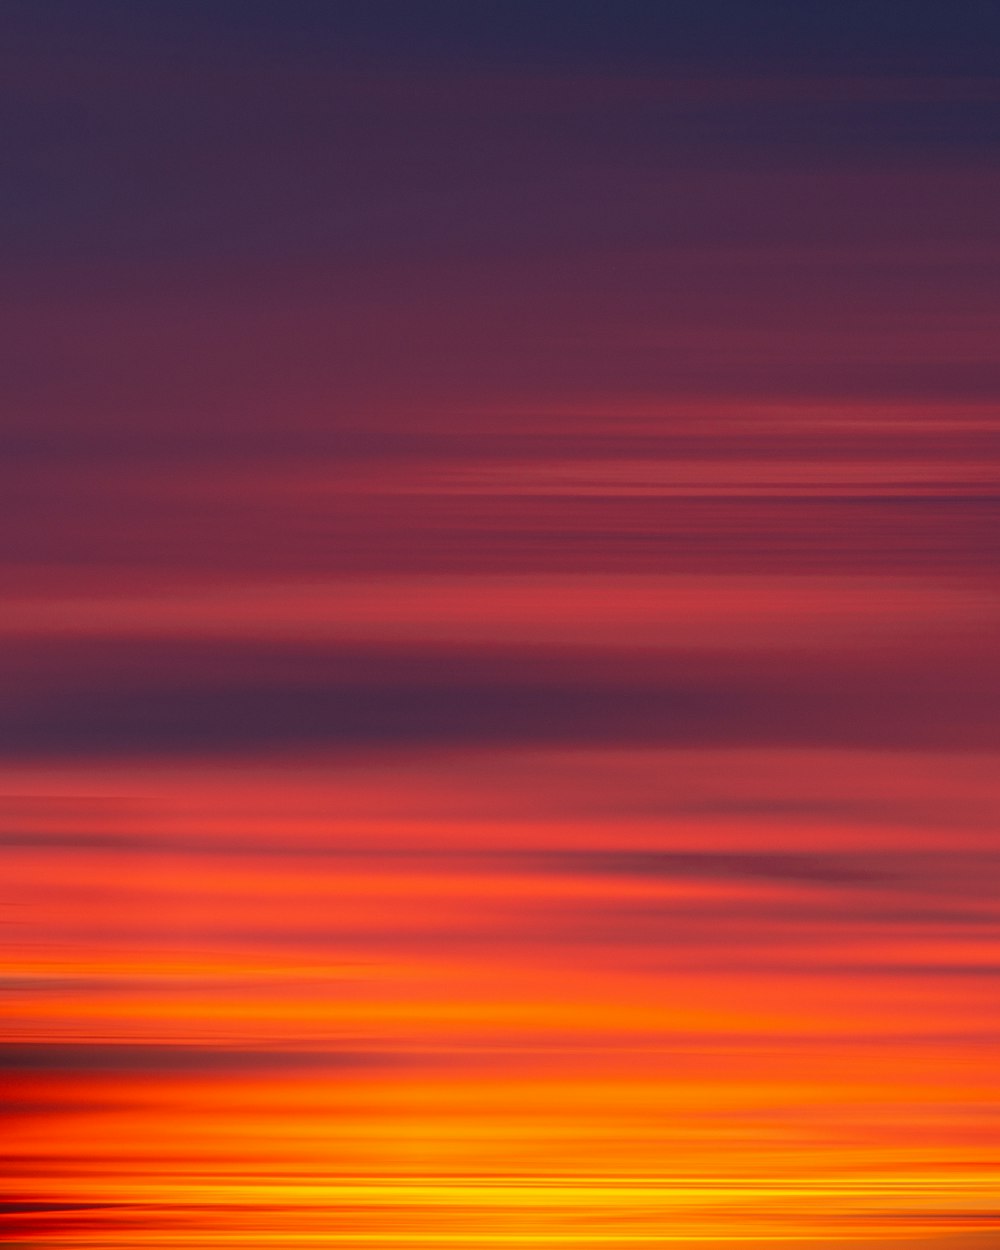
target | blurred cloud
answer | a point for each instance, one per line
(171, 1059)
(85, 698)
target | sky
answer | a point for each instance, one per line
(499, 546)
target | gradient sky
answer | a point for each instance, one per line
(499, 738)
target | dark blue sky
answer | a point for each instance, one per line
(891, 36)
(243, 222)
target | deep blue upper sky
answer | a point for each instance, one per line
(212, 208)
(800, 36)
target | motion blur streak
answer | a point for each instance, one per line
(499, 729)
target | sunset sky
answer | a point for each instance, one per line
(501, 711)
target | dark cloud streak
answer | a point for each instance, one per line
(86, 699)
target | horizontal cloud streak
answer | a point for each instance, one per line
(159, 1059)
(87, 698)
